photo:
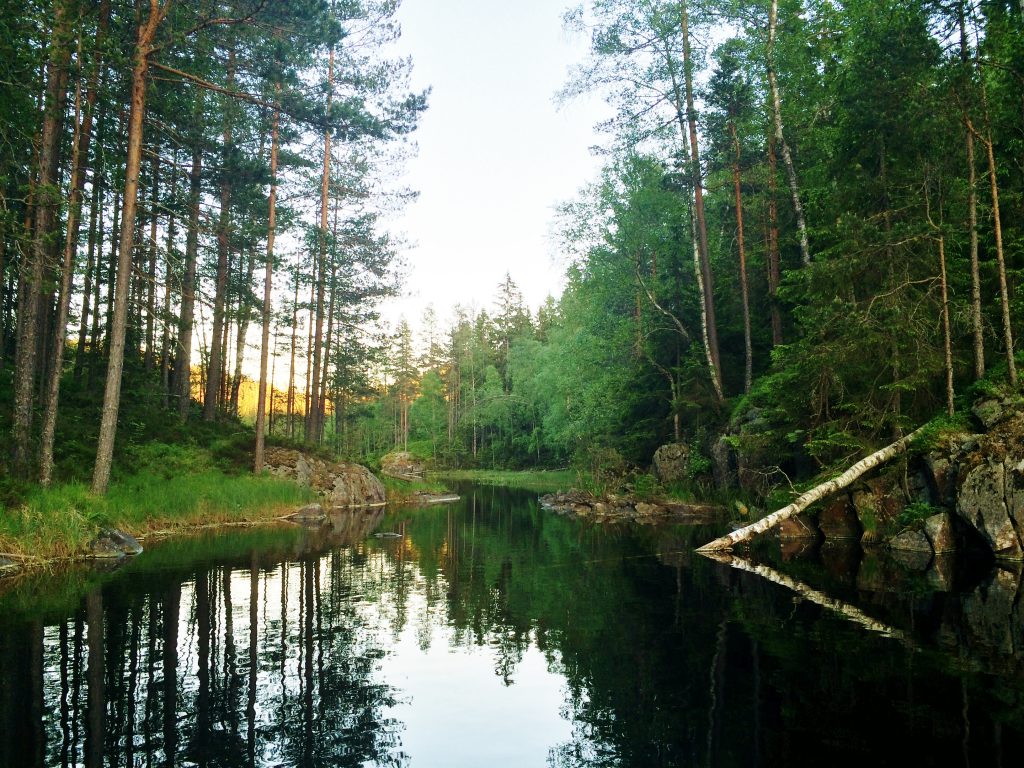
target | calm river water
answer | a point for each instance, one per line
(491, 633)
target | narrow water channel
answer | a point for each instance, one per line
(491, 633)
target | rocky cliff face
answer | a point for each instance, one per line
(341, 484)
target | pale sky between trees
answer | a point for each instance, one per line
(496, 155)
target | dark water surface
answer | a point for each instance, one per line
(490, 633)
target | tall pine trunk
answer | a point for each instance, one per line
(186, 320)
(977, 329)
(244, 318)
(46, 203)
(112, 391)
(165, 336)
(79, 164)
(150, 287)
(216, 364)
(313, 413)
(94, 238)
(268, 274)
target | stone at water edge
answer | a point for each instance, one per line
(838, 520)
(911, 541)
(941, 535)
(798, 527)
(309, 512)
(981, 501)
(110, 543)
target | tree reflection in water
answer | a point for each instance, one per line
(274, 648)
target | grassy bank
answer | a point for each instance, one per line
(541, 481)
(405, 491)
(55, 523)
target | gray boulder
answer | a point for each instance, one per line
(339, 483)
(982, 503)
(671, 462)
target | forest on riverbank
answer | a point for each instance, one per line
(809, 222)
(806, 237)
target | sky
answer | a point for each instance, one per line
(495, 155)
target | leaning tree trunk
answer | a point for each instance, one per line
(1004, 296)
(112, 392)
(817, 493)
(787, 157)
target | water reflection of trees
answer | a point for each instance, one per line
(279, 656)
(241, 664)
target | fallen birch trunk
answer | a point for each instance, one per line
(817, 493)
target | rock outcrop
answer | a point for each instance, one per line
(402, 465)
(339, 483)
(981, 477)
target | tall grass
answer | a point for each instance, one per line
(58, 522)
